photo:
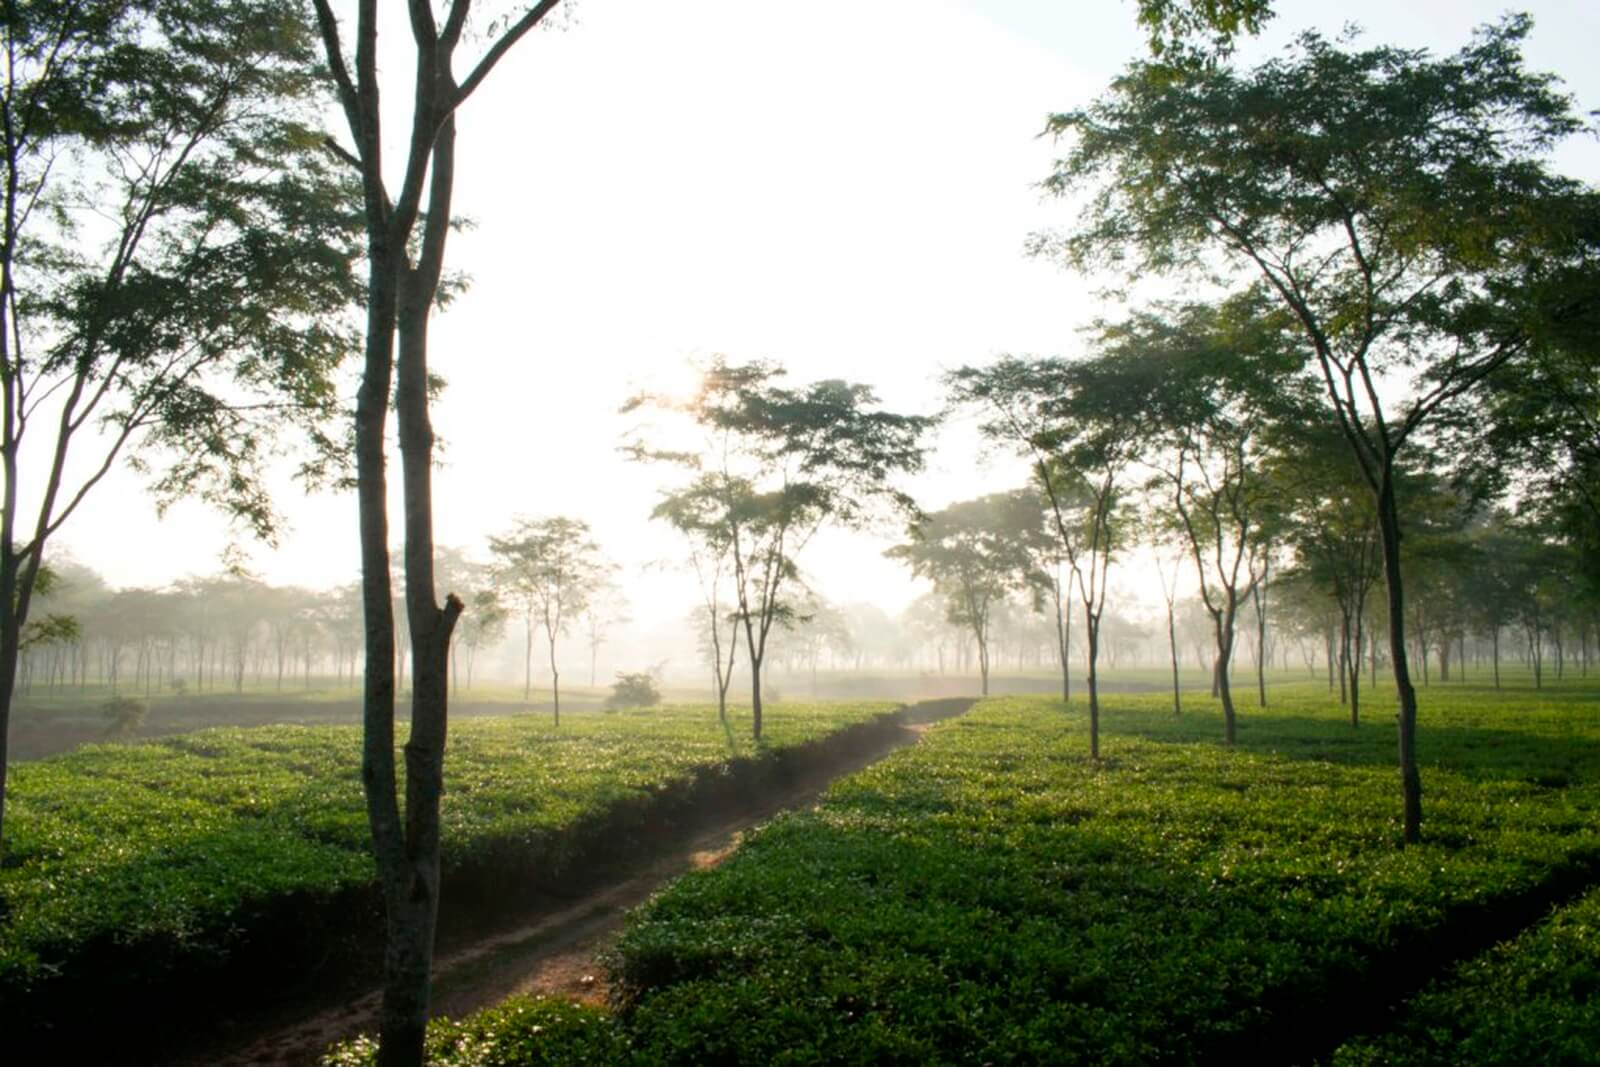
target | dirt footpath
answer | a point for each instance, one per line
(556, 950)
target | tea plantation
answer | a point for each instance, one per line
(990, 896)
(133, 865)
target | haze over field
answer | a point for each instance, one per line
(652, 184)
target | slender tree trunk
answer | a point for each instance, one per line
(983, 663)
(555, 679)
(1344, 660)
(1328, 644)
(1223, 621)
(757, 651)
(527, 658)
(1355, 676)
(755, 698)
(378, 774)
(1172, 647)
(1064, 640)
(1258, 592)
(1494, 640)
(1092, 638)
(13, 605)
(1410, 776)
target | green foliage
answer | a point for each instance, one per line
(976, 552)
(207, 317)
(1530, 1001)
(176, 842)
(1178, 27)
(519, 1032)
(775, 465)
(123, 715)
(636, 690)
(990, 896)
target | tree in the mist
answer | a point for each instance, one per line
(605, 609)
(697, 512)
(1541, 572)
(406, 231)
(816, 628)
(552, 570)
(775, 466)
(175, 253)
(1083, 431)
(927, 622)
(48, 634)
(977, 553)
(483, 620)
(1435, 553)
(482, 624)
(1169, 561)
(1543, 433)
(1214, 379)
(874, 638)
(1394, 203)
(1492, 576)
(1332, 530)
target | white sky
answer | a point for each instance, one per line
(845, 190)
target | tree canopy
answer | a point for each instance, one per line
(1395, 204)
(177, 251)
(773, 466)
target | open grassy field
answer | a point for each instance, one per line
(990, 896)
(131, 865)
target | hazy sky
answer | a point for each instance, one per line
(845, 190)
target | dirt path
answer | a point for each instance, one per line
(557, 950)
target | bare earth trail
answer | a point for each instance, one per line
(557, 950)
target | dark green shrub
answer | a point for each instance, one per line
(123, 716)
(634, 691)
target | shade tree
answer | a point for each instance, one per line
(1082, 430)
(1395, 203)
(768, 467)
(551, 569)
(1215, 379)
(977, 553)
(177, 254)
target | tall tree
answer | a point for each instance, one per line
(977, 553)
(697, 512)
(175, 253)
(405, 244)
(1215, 379)
(1334, 537)
(1394, 203)
(552, 568)
(1083, 430)
(775, 465)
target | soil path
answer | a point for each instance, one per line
(556, 950)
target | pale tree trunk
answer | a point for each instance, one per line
(527, 657)
(555, 677)
(1172, 648)
(1063, 639)
(1259, 595)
